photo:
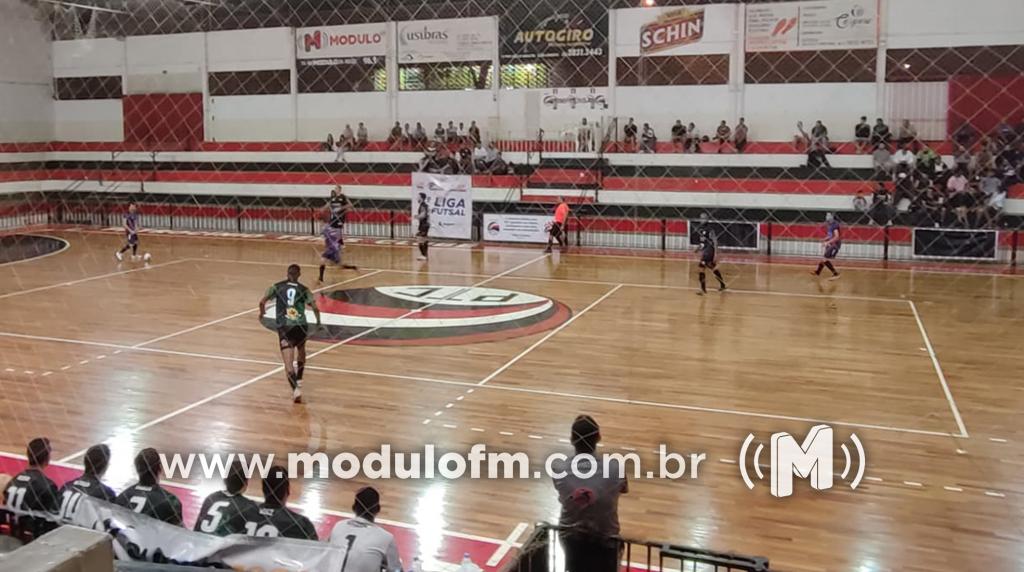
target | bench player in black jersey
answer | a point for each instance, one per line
(224, 512)
(273, 518)
(97, 458)
(338, 207)
(147, 496)
(708, 247)
(290, 302)
(31, 490)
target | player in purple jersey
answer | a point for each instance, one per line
(131, 232)
(833, 242)
(338, 208)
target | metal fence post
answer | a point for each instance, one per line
(885, 243)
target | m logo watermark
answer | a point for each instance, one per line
(812, 459)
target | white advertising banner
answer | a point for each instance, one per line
(341, 42)
(814, 25)
(451, 204)
(452, 40)
(517, 227)
(675, 31)
(141, 538)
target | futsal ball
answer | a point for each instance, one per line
(146, 257)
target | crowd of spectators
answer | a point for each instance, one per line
(685, 137)
(465, 160)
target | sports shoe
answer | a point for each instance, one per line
(119, 256)
(722, 288)
(297, 395)
(701, 293)
(834, 277)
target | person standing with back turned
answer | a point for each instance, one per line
(558, 229)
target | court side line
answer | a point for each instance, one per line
(242, 313)
(278, 369)
(67, 246)
(337, 513)
(550, 335)
(507, 544)
(473, 385)
(938, 371)
(91, 278)
(595, 282)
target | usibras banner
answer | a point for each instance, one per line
(450, 198)
(141, 538)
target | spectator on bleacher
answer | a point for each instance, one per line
(986, 157)
(439, 133)
(273, 518)
(499, 166)
(583, 135)
(419, 136)
(407, 137)
(678, 136)
(362, 136)
(462, 135)
(348, 139)
(962, 158)
(369, 547)
(590, 506)
(860, 202)
(328, 144)
(962, 202)
(881, 211)
(480, 157)
(907, 134)
(722, 135)
(817, 152)
(648, 141)
(957, 183)
(801, 140)
(819, 132)
(994, 205)
(1005, 134)
(147, 496)
(739, 135)
(224, 512)
(31, 490)
(965, 135)
(630, 133)
(880, 133)
(862, 134)
(451, 134)
(928, 210)
(465, 160)
(904, 186)
(97, 459)
(693, 138)
(395, 137)
(927, 161)
(474, 134)
(904, 156)
(881, 159)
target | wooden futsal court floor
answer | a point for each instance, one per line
(924, 367)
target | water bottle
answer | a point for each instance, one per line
(417, 565)
(467, 564)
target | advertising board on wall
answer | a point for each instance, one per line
(549, 33)
(675, 31)
(517, 227)
(450, 40)
(329, 45)
(450, 198)
(813, 25)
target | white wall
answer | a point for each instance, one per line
(26, 104)
(702, 105)
(322, 113)
(165, 64)
(250, 50)
(931, 23)
(773, 110)
(431, 107)
(251, 118)
(88, 120)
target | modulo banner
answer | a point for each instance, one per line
(451, 204)
(452, 40)
(362, 43)
(816, 25)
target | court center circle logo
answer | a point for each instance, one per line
(418, 315)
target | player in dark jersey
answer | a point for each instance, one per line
(147, 496)
(708, 248)
(833, 242)
(273, 518)
(291, 300)
(31, 490)
(97, 458)
(338, 207)
(224, 512)
(423, 225)
(131, 232)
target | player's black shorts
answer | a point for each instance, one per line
(832, 250)
(291, 336)
(556, 229)
(707, 260)
(132, 238)
(423, 230)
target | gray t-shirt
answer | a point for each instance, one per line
(590, 504)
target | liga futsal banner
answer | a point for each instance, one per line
(813, 25)
(141, 538)
(451, 204)
(517, 227)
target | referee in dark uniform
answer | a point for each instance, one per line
(423, 225)
(708, 247)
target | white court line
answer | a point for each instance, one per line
(473, 385)
(507, 545)
(67, 245)
(90, 278)
(592, 282)
(550, 334)
(938, 371)
(278, 369)
(242, 313)
(339, 514)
